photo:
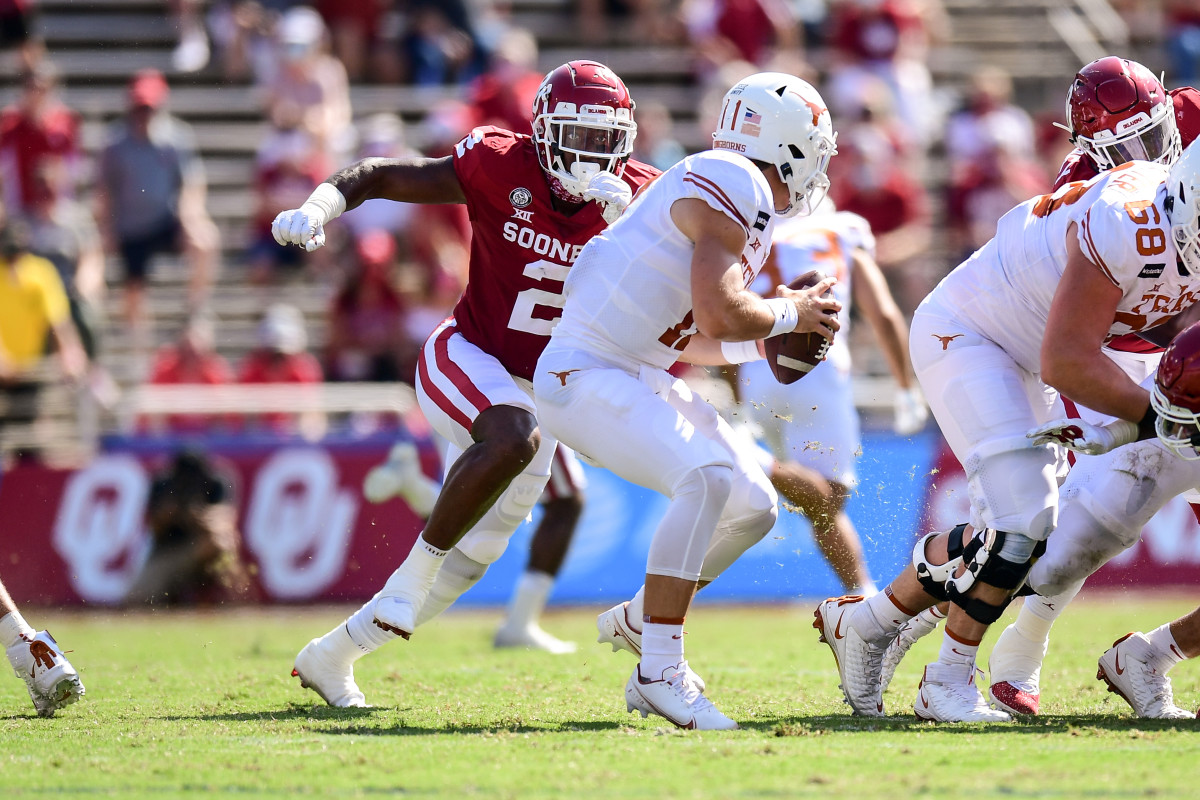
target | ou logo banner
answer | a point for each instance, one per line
(298, 523)
(99, 531)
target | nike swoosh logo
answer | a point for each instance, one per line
(837, 631)
(1118, 660)
(1175, 650)
(924, 701)
(956, 650)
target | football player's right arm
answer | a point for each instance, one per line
(405, 180)
(722, 308)
(1081, 314)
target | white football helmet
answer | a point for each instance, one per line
(1183, 207)
(779, 119)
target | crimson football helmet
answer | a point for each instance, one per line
(582, 124)
(1118, 111)
(1176, 395)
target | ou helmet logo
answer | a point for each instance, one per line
(298, 523)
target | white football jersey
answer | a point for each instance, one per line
(629, 293)
(1005, 289)
(826, 242)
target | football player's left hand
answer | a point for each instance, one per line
(1083, 437)
(612, 193)
(909, 412)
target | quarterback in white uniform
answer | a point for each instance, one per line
(993, 345)
(668, 281)
(812, 427)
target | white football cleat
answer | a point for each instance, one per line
(859, 662)
(52, 682)
(677, 699)
(320, 669)
(1129, 670)
(388, 480)
(916, 628)
(1015, 670)
(532, 637)
(615, 629)
(948, 693)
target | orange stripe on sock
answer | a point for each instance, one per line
(887, 590)
(662, 620)
(961, 640)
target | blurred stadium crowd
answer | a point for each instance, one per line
(88, 225)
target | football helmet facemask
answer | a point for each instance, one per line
(582, 124)
(1118, 111)
(1176, 395)
(1183, 207)
(781, 120)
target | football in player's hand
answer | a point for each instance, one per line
(793, 355)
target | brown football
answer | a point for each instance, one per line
(793, 355)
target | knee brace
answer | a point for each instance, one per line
(933, 577)
(998, 558)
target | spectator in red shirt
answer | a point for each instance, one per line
(874, 185)
(759, 32)
(281, 357)
(37, 127)
(367, 340)
(503, 96)
(191, 360)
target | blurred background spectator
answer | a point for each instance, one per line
(195, 547)
(191, 53)
(38, 126)
(34, 314)
(656, 143)
(764, 33)
(503, 96)
(1182, 27)
(381, 136)
(151, 198)
(288, 165)
(190, 359)
(280, 356)
(18, 33)
(367, 338)
(311, 80)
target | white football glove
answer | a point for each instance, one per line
(1084, 437)
(612, 193)
(909, 412)
(299, 226)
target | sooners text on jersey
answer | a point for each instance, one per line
(521, 248)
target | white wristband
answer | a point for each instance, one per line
(786, 316)
(1122, 431)
(328, 201)
(740, 352)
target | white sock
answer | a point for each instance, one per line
(418, 572)
(956, 652)
(341, 645)
(879, 617)
(1038, 614)
(1166, 649)
(529, 599)
(662, 650)
(636, 609)
(13, 628)
(458, 574)
(362, 630)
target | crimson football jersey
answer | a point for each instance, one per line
(521, 248)
(1078, 166)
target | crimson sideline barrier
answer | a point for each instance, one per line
(70, 537)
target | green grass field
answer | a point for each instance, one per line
(189, 704)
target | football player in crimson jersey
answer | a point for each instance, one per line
(1117, 111)
(994, 345)
(534, 202)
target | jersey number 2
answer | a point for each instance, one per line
(522, 317)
